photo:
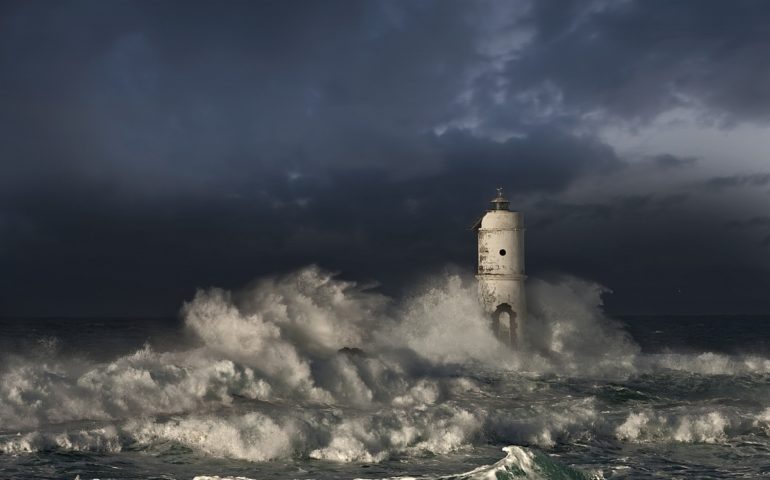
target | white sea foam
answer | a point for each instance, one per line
(104, 439)
(518, 462)
(689, 425)
(252, 436)
(708, 363)
(143, 383)
(333, 434)
(418, 376)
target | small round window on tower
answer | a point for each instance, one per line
(502, 252)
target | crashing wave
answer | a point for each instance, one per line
(307, 365)
(519, 462)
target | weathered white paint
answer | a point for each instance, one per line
(501, 266)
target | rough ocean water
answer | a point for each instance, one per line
(308, 376)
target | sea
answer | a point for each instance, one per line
(309, 376)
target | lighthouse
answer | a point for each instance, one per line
(501, 268)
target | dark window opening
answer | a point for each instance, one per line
(502, 252)
(510, 318)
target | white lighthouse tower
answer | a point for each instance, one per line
(501, 268)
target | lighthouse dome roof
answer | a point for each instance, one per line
(499, 216)
(501, 219)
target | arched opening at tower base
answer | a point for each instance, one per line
(504, 323)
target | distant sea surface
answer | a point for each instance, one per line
(103, 338)
(261, 386)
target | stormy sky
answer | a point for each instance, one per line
(149, 148)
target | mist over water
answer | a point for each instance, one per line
(309, 376)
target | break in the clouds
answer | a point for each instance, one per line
(150, 148)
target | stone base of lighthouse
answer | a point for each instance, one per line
(502, 297)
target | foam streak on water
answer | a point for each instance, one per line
(308, 376)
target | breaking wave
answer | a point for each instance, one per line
(307, 365)
(519, 462)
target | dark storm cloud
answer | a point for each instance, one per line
(717, 184)
(155, 250)
(545, 159)
(149, 148)
(672, 199)
(760, 224)
(753, 222)
(636, 59)
(675, 246)
(672, 161)
(143, 91)
(549, 212)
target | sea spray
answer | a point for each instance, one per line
(305, 366)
